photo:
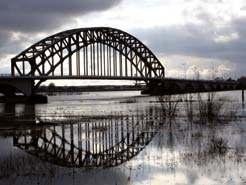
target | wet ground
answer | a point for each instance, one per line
(122, 138)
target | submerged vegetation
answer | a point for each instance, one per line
(169, 105)
(209, 110)
(195, 139)
(199, 108)
(218, 146)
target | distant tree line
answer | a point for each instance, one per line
(242, 82)
(53, 88)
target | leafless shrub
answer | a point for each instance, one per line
(189, 107)
(218, 146)
(230, 112)
(210, 109)
(169, 105)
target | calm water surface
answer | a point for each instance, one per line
(120, 138)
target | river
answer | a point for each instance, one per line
(123, 138)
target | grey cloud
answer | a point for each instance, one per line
(6, 42)
(188, 39)
(198, 40)
(240, 26)
(31, 23)
(4, 36)
(32, 15)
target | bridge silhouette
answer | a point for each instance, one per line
(96, 53)
(81, 141)
(99, 142)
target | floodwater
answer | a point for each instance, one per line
(122, 138)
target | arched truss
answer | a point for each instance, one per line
(104, 143)
(98, 52)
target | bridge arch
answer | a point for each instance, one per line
(100, 53)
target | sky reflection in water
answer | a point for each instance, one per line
(178, 153)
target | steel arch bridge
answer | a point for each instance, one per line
(97, 53)
(88, 53)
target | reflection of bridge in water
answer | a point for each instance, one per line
(12, 115)
(102, 142)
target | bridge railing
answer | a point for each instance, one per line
(5, 74)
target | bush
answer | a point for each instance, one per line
(169, 105)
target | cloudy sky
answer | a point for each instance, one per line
(207, 35)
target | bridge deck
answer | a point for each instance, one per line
(134, 78)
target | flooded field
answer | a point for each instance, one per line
(123, 138)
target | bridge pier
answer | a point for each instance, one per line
(163, 87)
(153, 88)
(34, 98)
(243, 98)
(19, 90)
